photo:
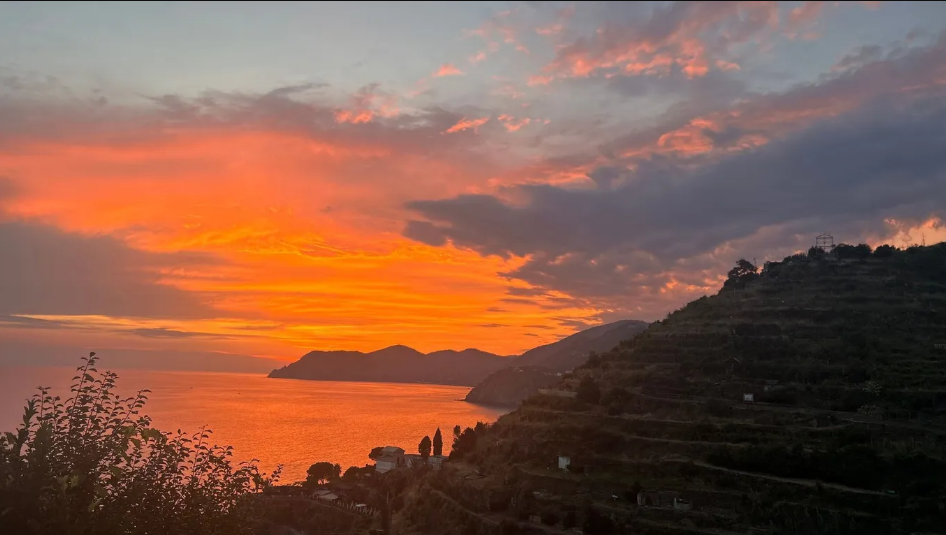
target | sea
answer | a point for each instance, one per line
(290, 422)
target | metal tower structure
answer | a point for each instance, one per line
(825, 242)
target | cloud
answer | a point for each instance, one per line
(512, 124)
(447, 69)
(478, 57)
(162, 332)
(466, 124)
(49, 272)
(878, 161)
(859, 57)
(684, 34)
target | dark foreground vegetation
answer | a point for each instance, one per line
(92, 464)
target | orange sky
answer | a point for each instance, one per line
(267, 214)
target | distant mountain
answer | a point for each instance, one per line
(542, 366)
(573, 351)
(395, 364)
(402, 364)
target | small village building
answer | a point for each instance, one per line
(748, 398)
(564, 462)
(329, 497)
(392, 457)
(681, 505)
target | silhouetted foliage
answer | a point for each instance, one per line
(743, 273)
(596, 523)
(322, 472)
(569, 520)
(588, 391)
(885, 251)
(355, 473)
(424, 447)
(438, 443)
(94, 465)
(465, 442)
(375, 452)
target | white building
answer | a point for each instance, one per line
(564, 462)
(391, 457)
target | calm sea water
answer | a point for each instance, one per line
(278, 421)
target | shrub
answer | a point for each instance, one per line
(93, 465)
(588, 391)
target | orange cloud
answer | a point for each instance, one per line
(478, 57)
(447, 69)
(540, 80)
(466, 124)
(511, 124)
(682, 28)
(298, 201)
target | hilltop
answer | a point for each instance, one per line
(395, 364)
(402, 364)
(808, 397)
(543, 366)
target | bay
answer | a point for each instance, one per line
(277, 421)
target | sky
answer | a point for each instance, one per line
(205, 182)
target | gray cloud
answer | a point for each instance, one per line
(161, 332)
(46, 271)
(884, 159)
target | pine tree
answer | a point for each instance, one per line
(438, 443)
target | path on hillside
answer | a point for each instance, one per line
(841, 415)
(805, 482)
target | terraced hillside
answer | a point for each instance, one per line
(843, 355)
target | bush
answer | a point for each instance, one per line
(92, 465)
(588, 391)
(596, 523)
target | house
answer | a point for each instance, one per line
(564, 462)
(748, 398)
(391, 457)
(681, 504)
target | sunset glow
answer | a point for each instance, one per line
(497, 182)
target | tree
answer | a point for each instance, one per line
(375, 453)
(424, 447)
(322, 472)
(93, 464)
(596, 523)
(743, 272)
(588, 391)
(438, 443)
(885, 251)
(815, 252)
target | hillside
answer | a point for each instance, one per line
(844, 358)
(509, 386)
(542, 366)
(573, 351)
(401, 364)
(395, 364)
